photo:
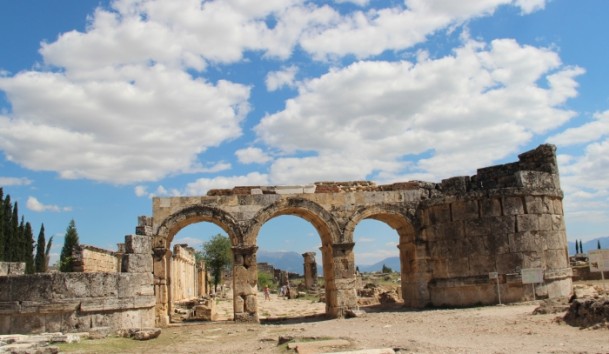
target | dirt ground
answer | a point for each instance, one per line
(489, 329)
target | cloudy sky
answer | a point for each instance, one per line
(104, 104)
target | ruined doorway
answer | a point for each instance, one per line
(214, 303)
(282, 243)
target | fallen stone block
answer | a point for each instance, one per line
(147, 334)
(65, 338)
(140, 333)
(352, 313)
(315, 346)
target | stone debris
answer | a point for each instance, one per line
(316, 346)
(548, 306)
(588, 312)
(140, 333)
(38, 343)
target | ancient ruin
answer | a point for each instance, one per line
(453, 235)
(310, 270)
(463, 241)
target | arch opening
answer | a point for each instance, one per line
(324, 225)
(194, 295)
(180, 278)
(377, 233)
(288, 256)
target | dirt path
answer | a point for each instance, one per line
(491, 329)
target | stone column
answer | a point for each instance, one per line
(162, 257)
(202, 279)
(310, 270)
(344, 281)
(415, 276)
(245, 284)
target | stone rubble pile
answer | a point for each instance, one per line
(589, 308)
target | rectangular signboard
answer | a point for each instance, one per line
(599, 260)
(493, 275)
(532, 275)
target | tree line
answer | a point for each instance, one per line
(17, 238)
(17, 241)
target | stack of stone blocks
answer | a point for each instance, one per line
(76, 302)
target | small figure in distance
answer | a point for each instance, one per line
(267, 295)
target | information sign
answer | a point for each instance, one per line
(532, 275)
(599, 260)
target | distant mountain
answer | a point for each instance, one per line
(391, 262)
(290, 261)
(590, 245)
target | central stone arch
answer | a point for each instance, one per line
(329, 233)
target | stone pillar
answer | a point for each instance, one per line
(285, 279)
(162, 257)
(310, 270)
(415, 276)
(344, 280)
(202, 279)
(245, 284)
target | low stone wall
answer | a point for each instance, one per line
(90, 259)
(12, 268)
(75, 302)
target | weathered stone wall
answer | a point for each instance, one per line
(90, 259)
(503, 219)
(451, 234)
(12, 268)
(183, 274)
(72, 302)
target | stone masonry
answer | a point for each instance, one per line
(452, 234)
(90, 259)
(76, 302)
(310, 270)
(184, 274)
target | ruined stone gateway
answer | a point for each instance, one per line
(451, 234)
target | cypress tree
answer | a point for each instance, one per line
(39, 260)
(28, 248)
(6, 228)
(598, 244)
(576, 247)
(581, 247)
(66, 259)
(2, 239)
(12, 245)
(19, 248)
(46, 254)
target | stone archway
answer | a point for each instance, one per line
(414, 270)
(337, 257)
(167, 230)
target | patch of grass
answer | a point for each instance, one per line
(119, 345)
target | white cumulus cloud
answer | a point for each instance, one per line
(457, 112)
(34, 204)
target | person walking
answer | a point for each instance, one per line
(267, 295)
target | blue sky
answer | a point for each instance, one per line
(106, 103)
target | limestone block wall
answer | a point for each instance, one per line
(73, 302)
(502, 220)
(91, 259)
(12, 268)
(183, 274)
